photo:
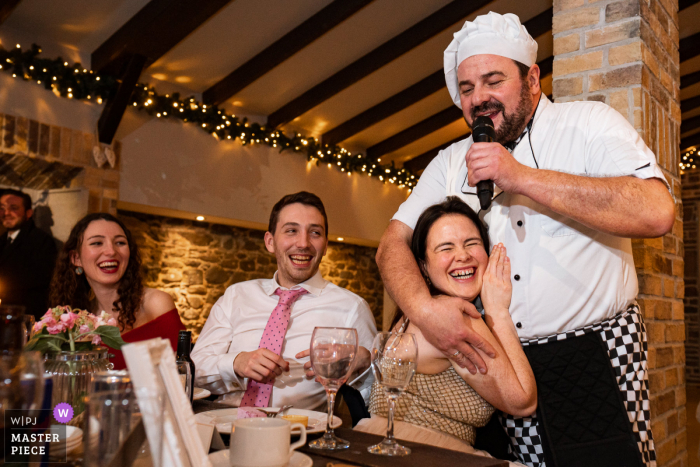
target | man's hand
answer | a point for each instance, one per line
(307, 366)
(443, 325)
(261, 365)
(491, 161)
(362, 362)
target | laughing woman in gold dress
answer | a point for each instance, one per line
(444, 403)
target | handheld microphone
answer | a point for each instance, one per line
(483, 132)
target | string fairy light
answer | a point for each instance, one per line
(689, 159)
(78, 83)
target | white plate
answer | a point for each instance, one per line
(223, 418)
(221, 459)
(72, 433)
(200, 393)
(72, 440)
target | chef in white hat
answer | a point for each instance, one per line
(573, 183)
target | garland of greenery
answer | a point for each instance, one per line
(75, 82)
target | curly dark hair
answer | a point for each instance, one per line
(69, 288)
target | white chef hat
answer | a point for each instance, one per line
(493, 34)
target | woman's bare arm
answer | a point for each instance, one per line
(510, 384)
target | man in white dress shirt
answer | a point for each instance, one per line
(574, 182)
(229, 354)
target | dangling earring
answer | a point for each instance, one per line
(78, 270)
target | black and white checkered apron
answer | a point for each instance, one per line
(626, 340)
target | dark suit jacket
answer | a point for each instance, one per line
(26, 267)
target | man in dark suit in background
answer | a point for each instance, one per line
(27, 255)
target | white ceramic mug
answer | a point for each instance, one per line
(263, 442)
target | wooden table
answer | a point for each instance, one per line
(421, 455)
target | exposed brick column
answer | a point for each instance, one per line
(625, 53)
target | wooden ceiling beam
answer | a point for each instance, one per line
(387, 52)
(683, 4)
(690, 124)
(420, 162)
(690, 104)
(537, 26)
(689, 47)
(692, 140)
(115, 106)
(690, 79)
(153, 31)
(6, 8)
(386, 108)
(415, 132)
(291, 43)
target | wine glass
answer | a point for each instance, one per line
(32, 380)
(21, 395)
(394, 359)
(333, 352)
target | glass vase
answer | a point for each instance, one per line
(71, 376)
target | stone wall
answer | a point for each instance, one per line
(196, 261)
(625, 54)
(691, 230)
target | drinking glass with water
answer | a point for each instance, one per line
(394, 360)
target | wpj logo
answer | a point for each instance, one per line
(29, 432)
(63, 413)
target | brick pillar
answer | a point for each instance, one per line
(625, 53)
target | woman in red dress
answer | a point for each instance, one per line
(99, 269)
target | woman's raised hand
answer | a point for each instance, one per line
(497, 290)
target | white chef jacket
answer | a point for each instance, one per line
(564, 275)
(236, 324)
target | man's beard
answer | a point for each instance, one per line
(514, 123)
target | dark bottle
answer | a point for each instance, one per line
(184, 345)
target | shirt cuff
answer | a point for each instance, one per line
(232, 380)
(363, 383)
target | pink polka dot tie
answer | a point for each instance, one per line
(258, 394)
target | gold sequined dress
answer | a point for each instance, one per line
(443, 402)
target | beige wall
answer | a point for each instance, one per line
(177, 166)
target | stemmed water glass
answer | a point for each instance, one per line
(333, 352)
(394, 359)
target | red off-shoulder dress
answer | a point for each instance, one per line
(167, 326)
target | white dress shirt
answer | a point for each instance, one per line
(236, 324)
(564, 275)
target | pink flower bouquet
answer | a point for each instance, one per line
(63, 328)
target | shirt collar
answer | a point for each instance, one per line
(13, 235)
(314, 285)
